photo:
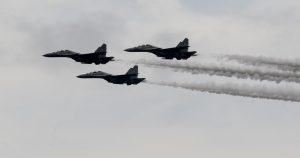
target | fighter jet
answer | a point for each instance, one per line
(131, 77)
(179, 52)
(98, 57)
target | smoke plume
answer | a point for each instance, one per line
(277, 64)
(234, 89)
(240, 72)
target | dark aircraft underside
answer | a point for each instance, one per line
(123, 80)
(172, 55)
(91, 59)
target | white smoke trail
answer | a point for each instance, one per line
(279, 64)
(286, 94)
(249, 72)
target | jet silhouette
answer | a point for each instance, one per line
(179, 52)
(98, 57)
(131, 77)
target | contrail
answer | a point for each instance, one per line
(249, 72)
(279, 64)
(237, 90)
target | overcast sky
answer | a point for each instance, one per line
(45, 111)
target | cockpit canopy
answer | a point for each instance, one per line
(97, 73)
(65, 52)
(146, 46)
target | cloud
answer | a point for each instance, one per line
(45, 111)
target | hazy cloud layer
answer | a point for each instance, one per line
(45, 111)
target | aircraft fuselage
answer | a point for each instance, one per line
(123, 79)
(91, 58)
(116, 79)
(84, 58)
(180, 52)
(171, 54)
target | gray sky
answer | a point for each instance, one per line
(45, 111)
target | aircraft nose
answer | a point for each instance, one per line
(129, 50)
(80, 76)
(84, 76)
(50, 54)
(47, 55)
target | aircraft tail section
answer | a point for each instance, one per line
(184, 43)
(101, 50)
(133, 71)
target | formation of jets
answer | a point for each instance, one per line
(180, 52)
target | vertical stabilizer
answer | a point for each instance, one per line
(184, 43)
(133, 71)
(101, 50)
